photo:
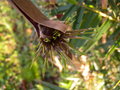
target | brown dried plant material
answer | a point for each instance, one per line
(53, 2)
(104, 39)
(27, 8)
(104, 4)
(52, 35)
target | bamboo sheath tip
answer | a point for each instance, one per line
(28, 8)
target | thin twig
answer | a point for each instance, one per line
(116, 84)
(97, 11)
(80, 30)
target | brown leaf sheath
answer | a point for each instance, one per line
(30, 11)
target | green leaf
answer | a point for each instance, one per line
(69, 12)
(90, 19)
(100, 31)
(60, 9)
(113, 48)
(78, 18)
(53, 87)
(72, 1)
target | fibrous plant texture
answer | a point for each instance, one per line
(52, 35)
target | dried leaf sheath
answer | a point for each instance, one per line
(52, 34)
(28, 8)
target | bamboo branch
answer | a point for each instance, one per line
(98, 12)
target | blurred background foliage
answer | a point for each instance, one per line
(97, 68)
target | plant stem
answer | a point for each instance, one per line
(98, 12)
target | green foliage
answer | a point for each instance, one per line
(100, 31)
(97, 65)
